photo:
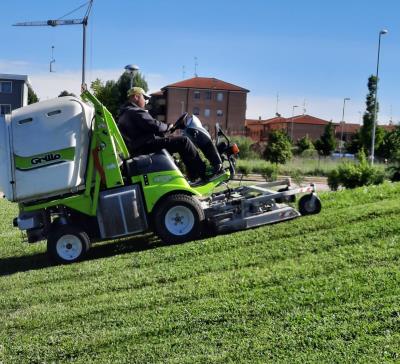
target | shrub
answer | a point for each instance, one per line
(244, 169)
(350, 175)
(333, 180)
(245, 149)
(270, 172)
(279, 148)
(309, 153)
(297, 176)
(304, 144)
(394, 168)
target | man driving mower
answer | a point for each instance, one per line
(144, 134)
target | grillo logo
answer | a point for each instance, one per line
(47, 158)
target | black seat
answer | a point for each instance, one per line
(149, 163)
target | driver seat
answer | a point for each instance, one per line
(149, 163)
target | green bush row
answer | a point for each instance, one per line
(350, 175)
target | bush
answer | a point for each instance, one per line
(297, 176)
(309, 153)
(244, 169)
(304, 144)
(279, 148)
(350, 175)
(245, 150)
(394, 169)
(333, 180)
(270, 172)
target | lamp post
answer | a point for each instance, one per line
(291, 132)
(382, 32)
(341, 134)
(133, 70)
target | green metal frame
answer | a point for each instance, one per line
(107, 151)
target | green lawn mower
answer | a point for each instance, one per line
(66, 165)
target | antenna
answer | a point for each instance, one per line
(52, 61)
(195, 66)
(277, 103)
(304, 106)
(59, 21)
(183, 72)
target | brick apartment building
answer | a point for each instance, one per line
(13, 92)
(296, 127)
(212, 100)
(300, 126)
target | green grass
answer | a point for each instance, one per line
(307, 166)
(322, 289)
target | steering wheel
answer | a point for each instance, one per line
(180, 123)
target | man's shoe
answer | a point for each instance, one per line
(216, 171)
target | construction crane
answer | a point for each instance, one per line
(61, 21)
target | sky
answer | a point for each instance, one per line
(311, 53)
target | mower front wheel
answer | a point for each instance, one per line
(67, 244)
(179, 218)
(309, 205)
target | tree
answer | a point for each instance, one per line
(66, 93)
(327, 143)
(113, 94)
(368, 118)
(354, 144)
(390, 146)
(303, 144)
(32, 97)
(279, 147)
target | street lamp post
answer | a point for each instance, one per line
(382, 32)
(132, 69)
(341, 134)
(291, 132)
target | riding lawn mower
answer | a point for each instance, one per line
(66, 165)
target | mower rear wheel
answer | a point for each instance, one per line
(309, 204)
(67, 244)
(179, 218)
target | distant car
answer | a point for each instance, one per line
(343, 155)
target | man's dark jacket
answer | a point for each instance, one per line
(138, 127)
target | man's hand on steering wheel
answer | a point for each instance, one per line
(180, 123)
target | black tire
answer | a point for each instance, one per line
(309, 205)
(67, 244)
(178, 218)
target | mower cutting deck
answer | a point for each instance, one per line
(251, 206)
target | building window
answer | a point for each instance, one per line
(196, 94)
(196, 111)
(208, 95)
(207, 113)
(220, 113)
(220, 96)
(5, 109)
(6, 87)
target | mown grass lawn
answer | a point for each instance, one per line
(322, 289)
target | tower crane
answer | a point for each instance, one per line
(60, 21)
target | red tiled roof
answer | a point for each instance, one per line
(308, 119)
(206, 83)
(389, 127)
(299, 119)
(253, 122)
(347, 127)
(157, 93)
